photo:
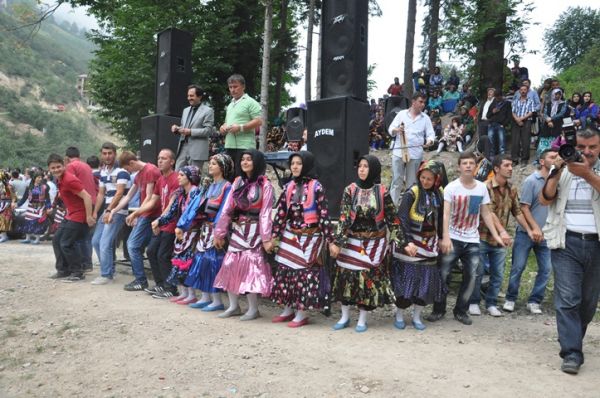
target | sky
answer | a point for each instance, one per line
(387, 36)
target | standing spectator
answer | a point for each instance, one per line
(411, 129)
(453, 79)
(504, 201)
(196, 128)
(574, 105)
(483, 123)
(552, 118)
(571, 231)
(465, 199)
(7, 204)
(113, 185)
(242, 118)
(37, 196)
(520, 72)
(499, 116)
(395, 88)
(17, 185)
(588, 112)
(79, 218)
(522, 111)
(140, 219)
(535, 213)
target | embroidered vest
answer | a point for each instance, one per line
(379, 189)
(309, 200)
(213, 203)
(255, 201)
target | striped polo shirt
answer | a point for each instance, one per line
(109, 178)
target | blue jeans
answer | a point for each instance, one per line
(138, 240)
(576, 291)
(104, 241)
(520, 252)
(468, 253)
(496, 256)
(496, 130)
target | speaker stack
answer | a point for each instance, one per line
(173, 75)
(295, 123)
(338, 123)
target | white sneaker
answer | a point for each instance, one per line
(101, 280)
(474, 309)
(509, 306)
(494, 311)
(534, 308)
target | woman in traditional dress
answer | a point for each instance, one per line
(38, 209)
(360, 247)
(183, 252)
(415, 275)
(247, 213)
(207, 208)
(302, 226)
(8, 201)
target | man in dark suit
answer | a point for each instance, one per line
(197, 124)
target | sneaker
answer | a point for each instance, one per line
(74, 278)
(463, 318)
(164, 294)
(59, 275)
(88, 268)
(135, 286)
(154, 289)
(494, 311)
(534, 308)
(570, 366)
(102, 280)
(509, 306)
(474, 309)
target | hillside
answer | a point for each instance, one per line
(41, 110)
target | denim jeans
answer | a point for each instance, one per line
(496, 256)
(85, 248)
(520, 252)
(496, 131)
(104, 241)
(138, 240)
(468, 253)
(576, 291)
(67, 254)
(160, 252)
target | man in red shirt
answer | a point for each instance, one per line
(395, 88)
(160, 249)
(85, 174)
(78, 220)
(140, 219)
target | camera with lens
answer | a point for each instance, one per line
(567, 151)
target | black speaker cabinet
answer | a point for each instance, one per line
(344, 48)
(393, 105)
(338, 134)
(156, 135)
(173, 71)
(295, 123)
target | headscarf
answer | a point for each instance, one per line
(226, 165)
(308, 165)
(427, 198)
(259, 166)
(191, 172)
(374, 176)
(555, 102)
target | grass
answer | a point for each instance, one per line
(66, 326)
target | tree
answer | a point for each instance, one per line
(584, 75)
(434, 15)
(264, 84)
(409, 49)
(572, 35)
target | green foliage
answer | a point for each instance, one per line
(572, 35)
(584, 75)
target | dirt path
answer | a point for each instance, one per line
(59, 340)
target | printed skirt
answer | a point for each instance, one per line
(417, 282)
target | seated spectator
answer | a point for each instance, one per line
(451, 93)
(395, 88)
(453, 136)
(588, 113)
(434, 103)
(453, 79)
(519, 72)
(467, 120)
(436, 79)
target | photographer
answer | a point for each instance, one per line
(571, 232)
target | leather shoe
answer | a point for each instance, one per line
(570, 366)
(250, 317)
(293, 324)
(340, 326)
(281, 318)
(210, 308)
(229, 314)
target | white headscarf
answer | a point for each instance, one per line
(555, 102)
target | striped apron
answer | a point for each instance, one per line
(244, 235)
(362, 254)
(298, 249)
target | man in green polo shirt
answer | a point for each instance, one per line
(242, 118)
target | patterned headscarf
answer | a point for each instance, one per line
(226, 165)
(439, 172)
(428, 201)
(191, 172)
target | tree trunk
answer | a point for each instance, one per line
(434, 13)
(490, 53)
(309, 41)
(264, 81)
(409, 50)
(280, 66)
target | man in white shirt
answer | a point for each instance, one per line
(412, 130)
(483, 123)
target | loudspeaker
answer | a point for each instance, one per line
(338, 134)
(295, 123)
(173, 71)
(156, 135)
(393, 105)
(344, 48)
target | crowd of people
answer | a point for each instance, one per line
(207, 231)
